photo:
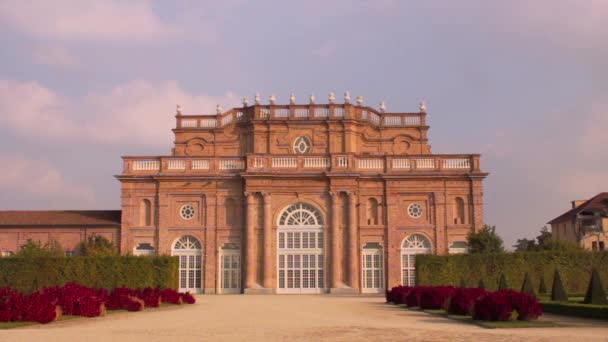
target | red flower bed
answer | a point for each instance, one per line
(434, 297)
(188, 298)
(48, 304)
(171, 296)
(528, 308)
(412, 299)
(461, 302)
(493, 306)
(398, 294)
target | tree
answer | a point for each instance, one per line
(97, 245)
(544, 237)
(545, 242)
(527, 286)
(502, 282)
(525, 245)
(485, 241)
(34, 249)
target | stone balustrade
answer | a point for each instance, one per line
(301, 112)
(313, 163)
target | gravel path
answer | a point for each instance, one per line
(289, 318)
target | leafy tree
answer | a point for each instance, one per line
(33, 249)
(97, 245)
(545, 242)
(485, 241)
(525, 245)
(544, 236)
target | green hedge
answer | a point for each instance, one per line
(574, 267)
(579, 310)
(30, 274)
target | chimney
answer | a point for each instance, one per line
(576, 203)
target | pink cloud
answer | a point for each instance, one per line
(85, 20)
(139, 112)
(40, 179)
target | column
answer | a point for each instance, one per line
(267, 241)
(353, 238)
(250, 262)
(336, 248)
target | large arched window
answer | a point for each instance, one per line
(301, 214)
(412, 245)
(145, 218)
(300, 256)
(189, 250)
(230, 212)
(459, 212)
(372, 211)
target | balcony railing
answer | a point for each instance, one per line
(312, 163)
(302, 112)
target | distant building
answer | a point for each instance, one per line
(585, 223)
(308, 198)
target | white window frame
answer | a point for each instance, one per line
(412, 245)
(231, 283)
(372, 270)
(189, 250)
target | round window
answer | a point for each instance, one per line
(415, 210)
(187, 212)
(301, 145)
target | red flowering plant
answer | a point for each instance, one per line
(493, 306)
(124, 298)
(398, 294)
(412, 299)
(188, 298)
(171, 296)
(11, 303)
(528, 308)
(80, 300)
(40, 307)
(151, 297)
(434, 297)
(461, 302)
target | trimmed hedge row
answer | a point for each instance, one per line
(30, 274)
(574, 309)
(574, 267)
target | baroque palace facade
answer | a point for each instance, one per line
(294, 198)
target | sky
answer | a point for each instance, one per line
(524, 83)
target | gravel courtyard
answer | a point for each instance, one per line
(287, 318)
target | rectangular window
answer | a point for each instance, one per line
(602, 246)
(594, 246)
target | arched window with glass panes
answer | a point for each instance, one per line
(412, 245)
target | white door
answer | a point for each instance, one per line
(188, 249)
(372, 271)
(300, 250)
(230, 271)
(412, 245)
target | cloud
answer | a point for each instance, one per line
(138, 112)
(53, 55)
(133, 20)
(39, 179)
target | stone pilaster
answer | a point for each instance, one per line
(336, 248)
(268, 262)
(353, 241)
(250, 239)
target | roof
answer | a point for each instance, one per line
(599, 201)
(60, 217)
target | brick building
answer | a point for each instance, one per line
(311, 198)
(584, 223)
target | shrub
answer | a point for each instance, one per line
(575, 268)
(188, 298)
(502, 283)
(412, 299)
(481, 284)
(527, 286)
(542, 288)
(28, 274)
(171, 296)
(151, 297)
(493, 306)
(578, 310)
(527, 306)
(398, 294)
(595, 291)
(558, 292)
(461, 302)
(434, 297)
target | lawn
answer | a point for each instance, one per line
(495, 325)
